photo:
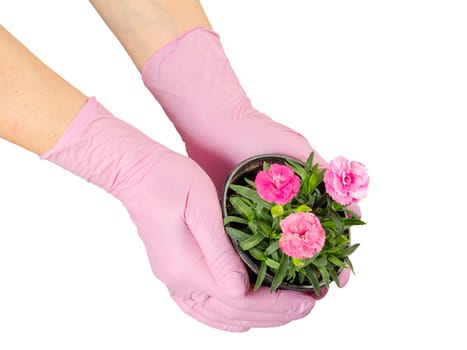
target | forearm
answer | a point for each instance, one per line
(143, 26)
(36, 105)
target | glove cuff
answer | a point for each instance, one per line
(105, 150)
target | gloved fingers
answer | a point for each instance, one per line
(280, 303)
(221, 315)
(344, 277)
(187, 307)
(204, 220)
(243, 141)
(356, 209)
(275, 138)
(261, 305)
(179, 262)
(236, 318)
(323, 292)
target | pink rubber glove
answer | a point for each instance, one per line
(174, 206)
(192, 79)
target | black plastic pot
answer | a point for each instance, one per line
(248, 168)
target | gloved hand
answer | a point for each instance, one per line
(174, 206)
(192, 79)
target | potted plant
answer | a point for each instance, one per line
(290, 221)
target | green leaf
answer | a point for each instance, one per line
(320, 261)
(251, 194)
(276, 235)
(334, 250)
(313, 179)
(261, 275)
(275, 255)
(321, 174)
(251, 241)
(250, 182)
(303, 191)
(325, 275)
(336, 206)
(258, 254)
(291, 273)
(267, 229)
(281, 272)
(297, 168)
(341, 240)
(353, 222)
(334, 276)
(348, 251)
(237, 234)
(307, 261)
(336, 261)
(301, 276)
(328, 224)
(229, 219)
(276, 225)
(273, 264)
(253, 226)
(243, 207)
(265, 166)
(349, 264)
(263, 215)
(311, 275)
(309, 161)
(274, 246)
(340, 227)
(311, 200)
(320, 201)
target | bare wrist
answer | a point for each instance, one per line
(144, 26)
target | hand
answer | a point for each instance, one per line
(192, 79)
(174, 206)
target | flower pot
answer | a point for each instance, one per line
(248, 169)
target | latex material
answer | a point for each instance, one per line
(193, 80)
(174, 206)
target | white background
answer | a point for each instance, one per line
(382, 82)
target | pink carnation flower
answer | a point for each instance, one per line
(302, 235)
(346, 182)
(277, 185)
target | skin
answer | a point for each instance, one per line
(36, 104)
(143, 26)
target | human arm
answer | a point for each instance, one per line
(170, 199)
(143, 26)
(193, 80)
(183, 64)
(36, 104)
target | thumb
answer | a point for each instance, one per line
(204, 219)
